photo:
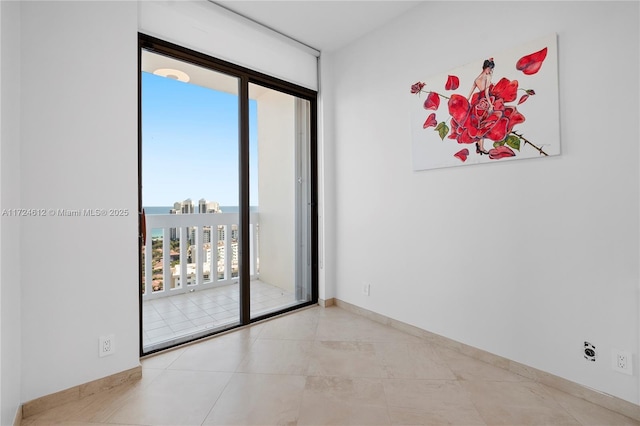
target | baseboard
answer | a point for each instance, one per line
(326, 303)
(75, 393)
(610, 402)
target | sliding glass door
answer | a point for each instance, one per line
(227, 195)
(281, 195)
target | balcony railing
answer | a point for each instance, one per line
(184, 252)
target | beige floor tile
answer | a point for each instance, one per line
(343, 401)
(176, 398)
(224, 353)
(249, 332)
(427, 395)
(291, 327)
(589, 414)
(347, 359)
(259, 399)
(350, 390)
(163, 359)
(412, 361)
(359, 330)
(516, 403)
(277, 357)
(467, 368)
(458, 416)
(321, 412)
(335, 312)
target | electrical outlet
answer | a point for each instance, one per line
(622, 361)
(107, 345)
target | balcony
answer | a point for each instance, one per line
(206, 243)
(190, 277)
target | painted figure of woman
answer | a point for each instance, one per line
(483, 83)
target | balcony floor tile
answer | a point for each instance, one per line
(182, 315)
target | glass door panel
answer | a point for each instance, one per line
(190, 180)
(279, 135)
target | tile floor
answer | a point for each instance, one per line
(179, 318)
(325, 367)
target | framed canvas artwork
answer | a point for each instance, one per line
(499, 108)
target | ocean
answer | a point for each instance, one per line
(166, 209)
(157, 233)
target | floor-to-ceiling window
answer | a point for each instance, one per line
(228, 189)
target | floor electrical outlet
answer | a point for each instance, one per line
(621, 361)
(107, 346)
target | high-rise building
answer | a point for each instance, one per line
(173, 232)
(187, 206)
(205, 206)
(184, 207)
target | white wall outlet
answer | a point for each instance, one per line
(107, 345)
(622, 361)
(366, 289)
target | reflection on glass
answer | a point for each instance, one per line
(279, 196)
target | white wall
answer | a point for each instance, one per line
(10, 324)
(326, 182)
(525, 259)
(79, 150)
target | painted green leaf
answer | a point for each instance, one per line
(513, 142)
(499, 143)
(442, 130)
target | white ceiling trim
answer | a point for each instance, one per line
(266, 29)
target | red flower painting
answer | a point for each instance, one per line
(489, 113)
(485, 118)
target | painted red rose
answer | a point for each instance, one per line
(479, 119)
(417, 87)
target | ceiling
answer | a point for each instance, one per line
(324, 25)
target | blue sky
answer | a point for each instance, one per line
(190, 143)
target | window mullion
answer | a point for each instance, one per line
(243, 246)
